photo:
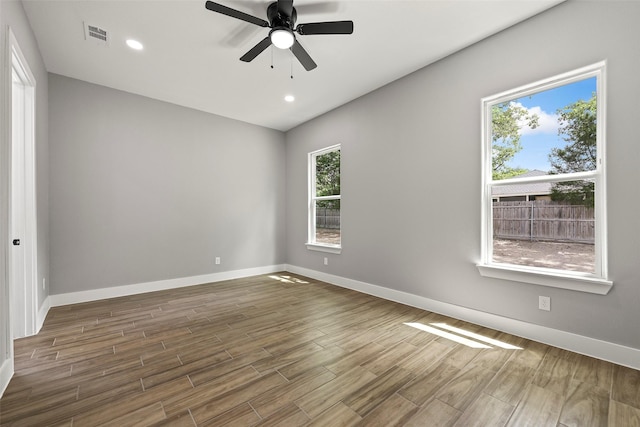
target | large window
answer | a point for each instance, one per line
(324, 200)
(544, 204)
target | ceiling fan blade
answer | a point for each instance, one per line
(256, 50)
(303, 56)
(215, 7)
(336, 27)
(285, 7)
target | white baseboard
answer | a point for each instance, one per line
(615, 353)
(160, 285)
(6, 372)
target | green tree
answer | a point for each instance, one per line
(328, 178)
(578, 129)
(507, 119)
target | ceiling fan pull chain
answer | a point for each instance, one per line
(291, 67)
(272, 57)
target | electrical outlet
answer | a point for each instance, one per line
(217, 260)
(544, 303)
(326, 261)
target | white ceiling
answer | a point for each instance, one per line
(191, 55)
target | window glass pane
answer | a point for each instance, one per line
(328, 174)
(556, 231)
(552, 132)
(328, 222)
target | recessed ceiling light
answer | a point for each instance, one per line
(134, 44)
(289, 98)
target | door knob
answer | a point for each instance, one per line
(16, 242)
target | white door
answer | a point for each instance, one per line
(18, 267)
(23, 252)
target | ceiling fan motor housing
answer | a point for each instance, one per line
(278, 19)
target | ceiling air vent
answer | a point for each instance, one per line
(96, 34)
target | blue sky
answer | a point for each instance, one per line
(537, 143)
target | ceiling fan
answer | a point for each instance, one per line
(282, 21)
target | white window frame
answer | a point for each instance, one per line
(597, 282)
(311, 235)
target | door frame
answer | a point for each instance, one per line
(28, 290)
(6, 344)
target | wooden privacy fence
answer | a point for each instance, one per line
(543, 220)
(327, 218)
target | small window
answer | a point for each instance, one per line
(544, 204)
(324, 200)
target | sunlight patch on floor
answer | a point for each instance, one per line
(478, 337)
(448, 335)
(288, 279)
(459, 335)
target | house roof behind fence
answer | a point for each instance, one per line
(537, 188)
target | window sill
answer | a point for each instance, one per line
(332, 249)
(544, 277)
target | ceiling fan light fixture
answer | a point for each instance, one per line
(282, 38)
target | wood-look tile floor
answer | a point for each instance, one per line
(286, 350)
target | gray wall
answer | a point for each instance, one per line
(12, 15)
(142, 190)
(413, 147)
